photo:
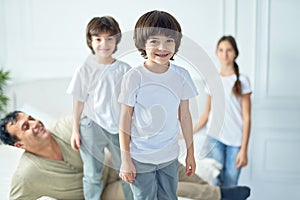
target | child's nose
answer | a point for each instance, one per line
(161, 46)
(104, 42)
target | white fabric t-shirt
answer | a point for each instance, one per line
(231, 133)
(155, 98)
(98, 86)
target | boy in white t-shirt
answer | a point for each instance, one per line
(230, 146)
(95, 87)
(155, 102)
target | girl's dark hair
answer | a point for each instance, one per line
(5, 137)
(156, 23)
(237, 87)
(105, 24)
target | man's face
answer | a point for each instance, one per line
(30, 132)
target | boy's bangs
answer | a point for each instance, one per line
(103, 30)
(150, 31)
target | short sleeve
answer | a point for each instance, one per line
(189, 88)
(129, 88)
(78, 85)
(206, 90)
(246, 85)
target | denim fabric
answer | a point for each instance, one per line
(155, 182)
(94, 139)
(226, 155)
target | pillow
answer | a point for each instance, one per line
(63, 128)
(46, 198)
(113, 189)
(37, 113)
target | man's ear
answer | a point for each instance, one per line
(19, 145)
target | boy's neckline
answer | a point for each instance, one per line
(107, 62)
(156, 68)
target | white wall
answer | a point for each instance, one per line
(2, 35)
(46, 39)
(275, 168)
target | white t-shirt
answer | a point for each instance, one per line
(231, 133)
(155, 98)
(98, 86)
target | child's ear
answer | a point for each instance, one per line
(19, 145)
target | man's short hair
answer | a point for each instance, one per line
(5, 137)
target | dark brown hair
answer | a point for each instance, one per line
(156, 23)
(237, 87)
(105, 24)
(5, 136)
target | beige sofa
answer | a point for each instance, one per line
(113, 188)
(187, 187)
(50, 104)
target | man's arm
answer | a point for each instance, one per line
(21, 186)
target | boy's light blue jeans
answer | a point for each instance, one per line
(155, 182)
(93, 141)
(226, 155)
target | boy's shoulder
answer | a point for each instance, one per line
(178, 69)
(88, 64)
(123, 64)
(136, 69)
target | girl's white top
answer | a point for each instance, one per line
(231, 133)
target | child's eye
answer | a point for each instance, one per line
(110, 38)
(170, 40)
(153, 41)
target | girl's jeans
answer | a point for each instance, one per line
(226, 155)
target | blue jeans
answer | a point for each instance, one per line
(93, 141)
(155, 182)
(226, 155)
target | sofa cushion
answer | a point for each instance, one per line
(63, 128)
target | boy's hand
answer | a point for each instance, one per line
(127, 172)
(190, 165)
(75, 140)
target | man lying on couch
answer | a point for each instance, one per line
(49, 166)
